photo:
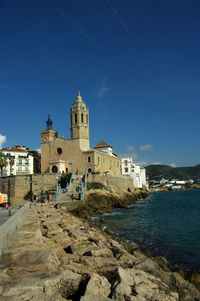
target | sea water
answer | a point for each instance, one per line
(165, 224)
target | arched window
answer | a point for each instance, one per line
(54, 169)
(82, 117)
(89, 159)
(75, 117)
(59, 150)
(87, 118)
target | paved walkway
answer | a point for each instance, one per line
(4, 213)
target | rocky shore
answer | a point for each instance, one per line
(59, 256)
(101, 201)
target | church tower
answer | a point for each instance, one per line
(80, 123)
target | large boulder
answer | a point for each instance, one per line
(98, 285)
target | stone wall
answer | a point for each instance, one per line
(20, 186)
(115, 182)
(9, 228)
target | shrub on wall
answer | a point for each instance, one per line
(64, 180)
(95, 185)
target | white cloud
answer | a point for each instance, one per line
(2, 140)
(141, 163)
(146, 147)
(38, 150)
(104, 87)
(173, 165)
(130, 148)
(156, 163)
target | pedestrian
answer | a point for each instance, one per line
(72, 197)
(6, 206)
(49, 197)
(9, 212)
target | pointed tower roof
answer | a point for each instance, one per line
(102, 144)
(79, 98)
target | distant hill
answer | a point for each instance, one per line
(156, 172)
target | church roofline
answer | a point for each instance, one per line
(102, 144)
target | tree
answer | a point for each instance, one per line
(3, 162)
(11, 162)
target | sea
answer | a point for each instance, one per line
(164, 224)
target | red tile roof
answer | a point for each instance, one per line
(102, 144)
(14, 150)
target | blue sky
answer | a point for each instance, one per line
(136, 64)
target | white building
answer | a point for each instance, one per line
(19, 161)
(130, 169)
(106, 148)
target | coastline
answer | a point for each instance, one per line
(160, 189)
(60, 256)
(101, 208)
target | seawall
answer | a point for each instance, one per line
(11, 226)
(57, 256)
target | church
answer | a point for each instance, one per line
(60, 155)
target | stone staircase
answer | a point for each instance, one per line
(66, 196)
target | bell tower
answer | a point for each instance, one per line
(80, 123)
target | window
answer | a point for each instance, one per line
(59, 150)
(26, 161)
(75, 117)
(89, 170)
(117, 164)
(89, 159)
(125, 162)
(98, 160)
(110, 163)
(82, 117)
(114, 163)
(126, 169)
(19, 161)
(87, 118)
(26, 168)
(19, 168)
(103, 160)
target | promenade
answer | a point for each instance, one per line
(4, 216)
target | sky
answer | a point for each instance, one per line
(135, 62)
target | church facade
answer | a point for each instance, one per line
(59, 155)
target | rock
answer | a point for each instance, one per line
(133, 284)
(122, 292)
(101, 265)
(65, 284)
(195, 279)
(98, 285)
(95, 298)
(1, 290)
(185, 288)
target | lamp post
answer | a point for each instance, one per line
(31, 188)
(56, 188)
(9, 191)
